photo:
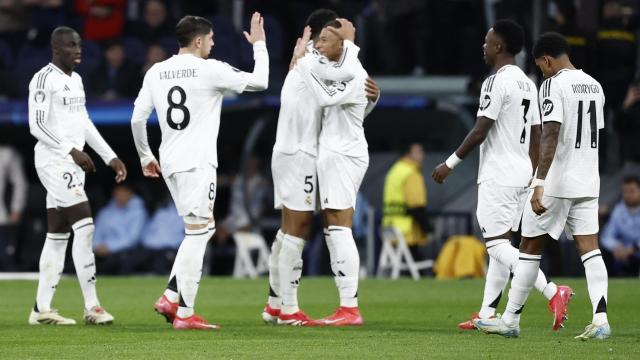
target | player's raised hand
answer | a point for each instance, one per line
(346, 31)
(151, 170)
(536, 200)
(121, 170)
(301, 47)
(440, 173)
(372, 89)
(256, 31)
(83, 160)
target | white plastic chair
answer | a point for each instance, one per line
(395, 256)
(244, 266)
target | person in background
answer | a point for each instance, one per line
(155, 54)
(103, 19)
(116, 77)
(256, 188)
(621, 234)
(11, 171)
(161, 239)
(118, 229)
(629, 122)
(405, 199)
(155, 23)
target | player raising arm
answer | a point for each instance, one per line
(186, 92)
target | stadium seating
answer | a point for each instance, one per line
(30, 60)
(244, 266)
(396, 257)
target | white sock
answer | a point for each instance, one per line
(274, 275)
(494, 284)
(51, 266)
(188, 266)
(84, 261)
(171, 291)
(523, 279)
(505, 253)
(597, 284)
(347, 264)
(290, 269)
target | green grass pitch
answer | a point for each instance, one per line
(403, 320)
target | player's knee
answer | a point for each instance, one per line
(339, 217)
(586, 243)
(533, 246)
(194, 222)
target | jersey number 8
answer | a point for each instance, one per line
(178, 106)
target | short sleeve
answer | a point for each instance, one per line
(551, 108)
(491, 98)
(227, 77)
(535, 112)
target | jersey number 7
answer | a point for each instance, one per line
(178, 106)
(525, 103)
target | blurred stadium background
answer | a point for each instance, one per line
(425, 55)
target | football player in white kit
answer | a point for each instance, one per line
(343, 159)
(508, 128)
(59, 120)
(186, 92)
(566, 186)
(294, 166)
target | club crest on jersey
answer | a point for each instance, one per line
(485, 102)
(547, 107)
(39, 96)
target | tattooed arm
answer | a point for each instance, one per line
(548, 146)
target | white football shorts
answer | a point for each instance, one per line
(194, 191)
(64, 182)
(339, 177)
(499, 208)
(295, 182)
(580, 216)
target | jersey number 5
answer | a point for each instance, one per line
(525, 104)
(186, 116)
(592, 123)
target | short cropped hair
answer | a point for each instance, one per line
(632, 179)
(550, 44)
(318, 19)
(511, 33)
(190, 27)
(58, 32)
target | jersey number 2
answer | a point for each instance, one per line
(178, 106)
(525, 103)
(592, 123)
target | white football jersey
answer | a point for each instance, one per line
(575, 100)
(58, 117)
(186, 92)
(509, 98)
(300, 113)
(344, 105)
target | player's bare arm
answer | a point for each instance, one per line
(475, 137)
(256, 31)
(121, 170)
(83, 160)
(548, 144)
